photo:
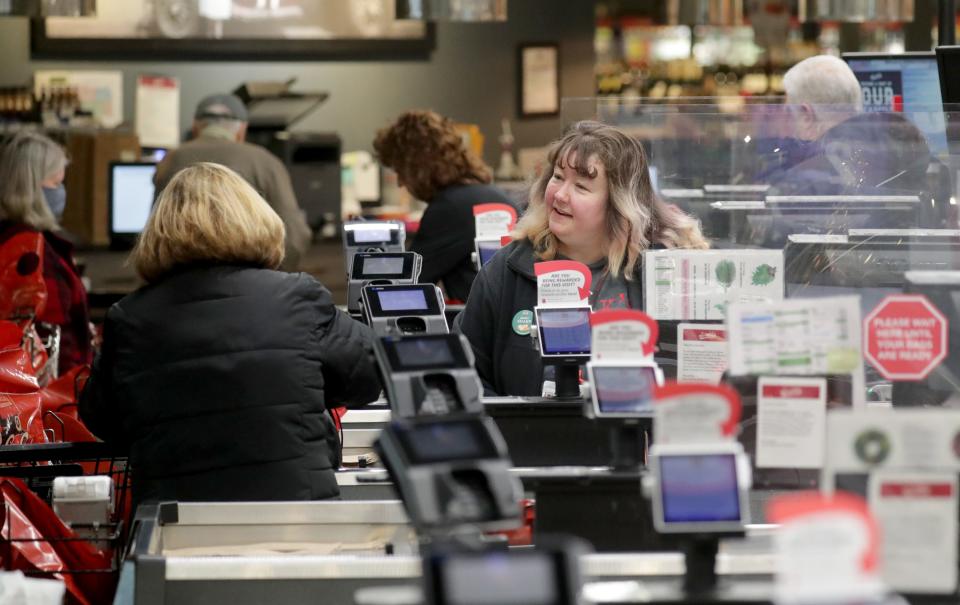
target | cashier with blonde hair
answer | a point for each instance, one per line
(217, 374)
(596, 205)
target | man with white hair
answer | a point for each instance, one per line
(821, 91)
(219, 130)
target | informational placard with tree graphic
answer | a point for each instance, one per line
(700, 284)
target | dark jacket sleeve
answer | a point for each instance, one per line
(98, 406)
(350, 374)
(477, 322)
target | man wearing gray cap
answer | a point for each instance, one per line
(219, 129)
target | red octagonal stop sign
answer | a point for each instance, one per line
(905, 337)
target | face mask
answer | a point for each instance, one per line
(56, 199)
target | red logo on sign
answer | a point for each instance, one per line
(905, 337)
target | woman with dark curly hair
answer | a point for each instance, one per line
(432, 162)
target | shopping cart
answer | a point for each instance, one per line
(34, 540)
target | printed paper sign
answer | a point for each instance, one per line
(791, 422)
(917, 514)
(798, 336)
(493, 220)
(700, 284)
(695, 413)
(701, 352)
(622, 334)
(158, 111)
(827, 548)
(905, 337)
(562, 282)
(919, 438)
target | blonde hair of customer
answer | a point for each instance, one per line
(636, 217)
(25, 162)
(207, 213)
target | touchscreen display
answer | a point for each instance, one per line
(370, 235)
(487, 251)
(565, 331)
(493, 579)
(625, 390)
(131, 197)
(424, 353)
(699, 488)
(402, 300)
(444, 441)
(382, 265)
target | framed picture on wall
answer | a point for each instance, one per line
(539, 68)
(234, 30)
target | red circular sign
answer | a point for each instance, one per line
(905, 337)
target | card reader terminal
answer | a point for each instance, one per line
(564, 335)
(623, 389)
(396, 310)
(428, 374)
(451, 471)
(371, 236)
(380, 268)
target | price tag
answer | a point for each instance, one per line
(493, 220)
(695, 413)
(827, 548)
(562, 282)
(623, 334)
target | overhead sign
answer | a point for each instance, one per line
(905, 337)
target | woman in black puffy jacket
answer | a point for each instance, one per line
(217, 374)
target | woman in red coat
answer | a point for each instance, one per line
(32, 198)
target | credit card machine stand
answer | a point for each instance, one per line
(380, 269)
(428, 374)
(700, 494)
(563, 336)
(621, 400)
(453, 475)
(398, 310)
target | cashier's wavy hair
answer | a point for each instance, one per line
(636, 217)
(207, 213)
(25, 162)
(428, 154)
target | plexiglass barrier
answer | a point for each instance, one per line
(861, 204)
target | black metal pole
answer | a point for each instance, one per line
(946, 24)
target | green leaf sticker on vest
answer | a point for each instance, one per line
(522, 322)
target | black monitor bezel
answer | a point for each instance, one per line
(429, 294)
(357, 268)
(394, 240)
(454, 344)
(121, 239)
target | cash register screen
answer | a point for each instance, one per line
(448, 440)
(624, 390)
(403, 300)
(383, 265)
(699, 488)
(493, 579)
(907, 83)
(565, 331)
